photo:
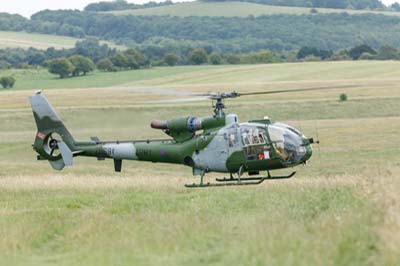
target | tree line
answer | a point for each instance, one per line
(104, 6)
(339, 4)
(160, 34)
(89, 54)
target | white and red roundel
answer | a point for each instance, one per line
(40, 135)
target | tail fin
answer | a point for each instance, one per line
(52, 135)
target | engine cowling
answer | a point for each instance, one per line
(184, 128)
(181, 129)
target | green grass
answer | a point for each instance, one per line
(232, 9)
(340, 209)
(11, 39)
(376, 74)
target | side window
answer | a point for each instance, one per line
(245, 139)
(253, 136)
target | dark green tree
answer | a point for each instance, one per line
(313, 51)
(198, 56)
(61, 67)
(215, 59)
(4, 64)
(106, 65)
(387, 52)
(357, 51)
(81, 65)
(233, 59)
(135, 58)
(171, 59)
(93, 49)
(120, 61)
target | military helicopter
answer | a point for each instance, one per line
(218, 143)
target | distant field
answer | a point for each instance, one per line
(383, 74)
(340, 209)
(232, 9)
(39, 41)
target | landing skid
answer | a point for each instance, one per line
(269, 177)
(223, 182)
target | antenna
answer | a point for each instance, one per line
(317, 142)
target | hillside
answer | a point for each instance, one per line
(233, 9)
(12, 39)
(280, 32)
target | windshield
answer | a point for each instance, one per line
(287, 142)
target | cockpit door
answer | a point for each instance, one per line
(255, 144)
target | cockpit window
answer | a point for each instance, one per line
(253, 136)
(287, 142)
(294, 130)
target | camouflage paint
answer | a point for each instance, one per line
(206, 152)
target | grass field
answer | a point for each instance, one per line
(232, 9)
(11, 39)
(343, 208)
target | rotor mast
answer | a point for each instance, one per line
(219, 105)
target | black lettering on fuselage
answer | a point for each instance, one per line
(144, 153)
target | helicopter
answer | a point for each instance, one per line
(218, 143)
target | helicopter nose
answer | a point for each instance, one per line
(309, 150)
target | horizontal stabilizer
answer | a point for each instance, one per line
(66, 153)
(57, 165)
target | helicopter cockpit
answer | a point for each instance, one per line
(287, 142)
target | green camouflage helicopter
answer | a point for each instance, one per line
(218, 143)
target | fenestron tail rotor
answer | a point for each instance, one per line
(52, 148)
(59, 154)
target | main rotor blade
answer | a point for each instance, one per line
(298, 90)
(180, 100)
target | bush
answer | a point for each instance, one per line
(7, 82)
(313, 51)
(4, 64)
(198, 56)
(387, 52)
(312, 58)
(233, 59)
(343, 97)
(340, 56)
(366, 56)
(357, 51)
(120, 61)
(24, 66)
(106, 65)
(171, 59)
(259, 57)
(215, 59)
(135, 59)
